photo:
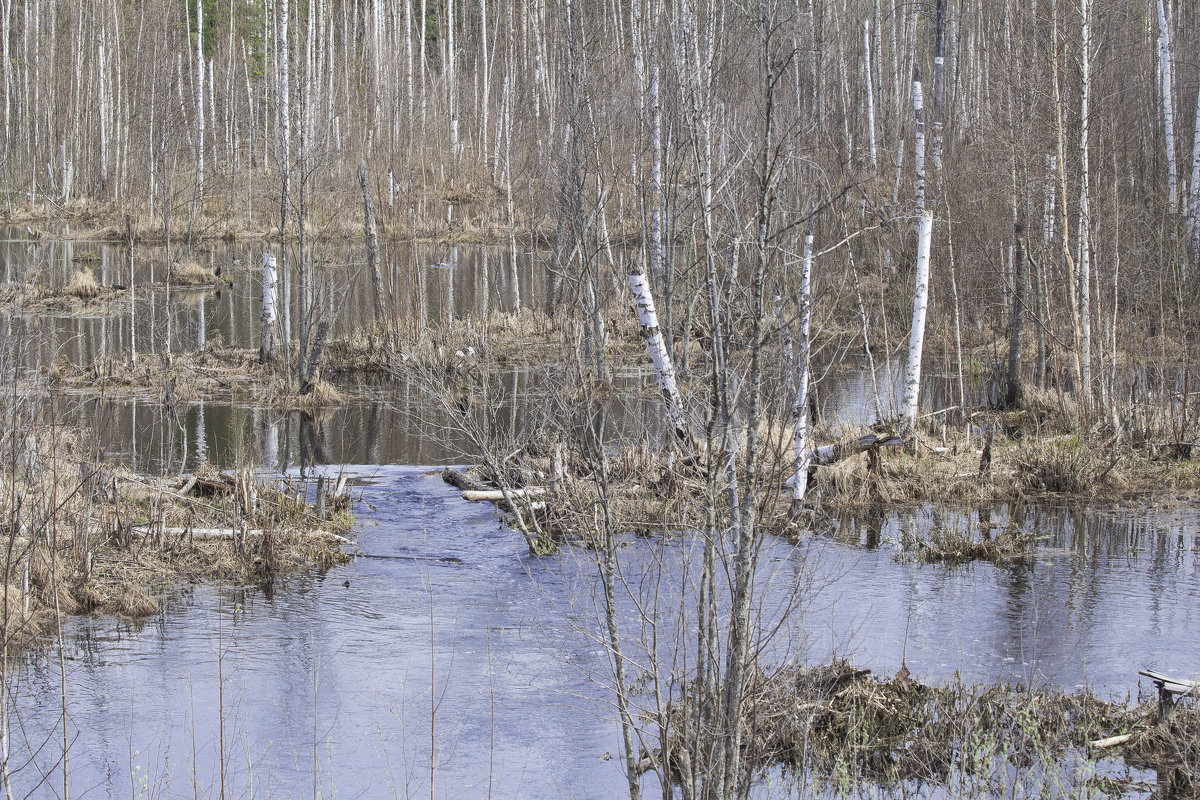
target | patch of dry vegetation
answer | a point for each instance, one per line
(190, 273)
(83, 294)
(844, 727)
(83, 535)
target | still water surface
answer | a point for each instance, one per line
(388, 676)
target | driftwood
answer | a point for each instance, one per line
(830, 454)
(1111, 741)
(498, 495)
(224, 533)
(1169, 689)
(461, 480)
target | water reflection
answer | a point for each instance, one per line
(475, 280)
(342, 680)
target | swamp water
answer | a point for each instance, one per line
(448, 661)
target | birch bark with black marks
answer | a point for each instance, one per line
(660, 356)
(916, 337)
(918, 99)
(266, 352)
(1166, 70)
(1084, 277)
(871, 149)
(800, 409)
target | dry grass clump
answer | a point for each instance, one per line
(319, 394)
(87, 536)
(1064, 465)
(189, 273)
(840, 725)
(83, 285)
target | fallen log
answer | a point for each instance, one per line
(461, 480)
(829, 454)
(1111, 741)
(498, 495)
(225, 533)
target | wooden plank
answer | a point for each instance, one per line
(1169, 683)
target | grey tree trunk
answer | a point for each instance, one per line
(372, 243)
(1015, 391)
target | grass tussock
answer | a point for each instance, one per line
(850, 730)
(83, 285)
(190, 273)
(84, 535)
(1066, 465)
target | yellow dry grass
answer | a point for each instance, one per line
(83, 285)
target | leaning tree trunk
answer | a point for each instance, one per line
(660, 356)
(916, 338)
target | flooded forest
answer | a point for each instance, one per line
(698, 399)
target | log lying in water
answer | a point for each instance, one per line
(497, 495)
(1111, 741)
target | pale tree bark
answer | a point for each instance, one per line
(1068, 259)
(200, 104)
(918, 99)
(1194, 209)
(266, 352)
(1166, 68)
(660, 356)
(916, 338)
(800, 410)
(285, 168)
(1084, 278)
(871, 149)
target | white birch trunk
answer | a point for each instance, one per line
(1084, 277)
(916, 338)
(199, 103)
(656, 238)
(1166, 59)
(800, 411)
(873, 154)
(664, 369)
(919, 139)
(1194, 215)
(267, 332)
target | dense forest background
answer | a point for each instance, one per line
(588, 125)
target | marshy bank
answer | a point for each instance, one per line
(86, 535)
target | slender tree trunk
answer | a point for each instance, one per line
(266, 352)
(200, 105)
(1084, 279)
(1015, 390)
(372, 243)
(1166, 68)
(919, 139)
(873, 154)
(800, 410)
(916, 338)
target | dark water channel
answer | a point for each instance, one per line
(410, 675)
